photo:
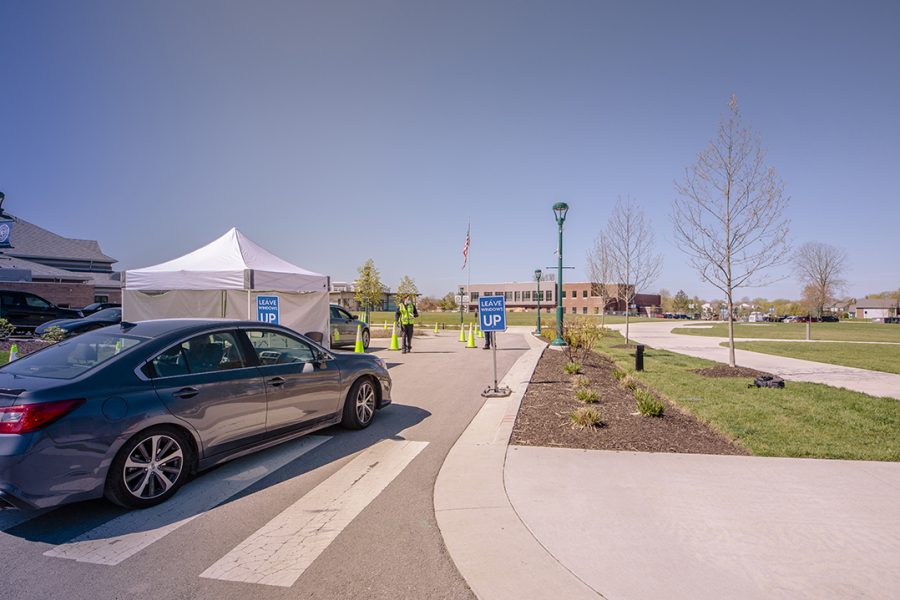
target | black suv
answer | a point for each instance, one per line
(25, 310)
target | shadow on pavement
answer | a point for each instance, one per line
(70, 521)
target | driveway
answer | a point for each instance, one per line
(659, 335)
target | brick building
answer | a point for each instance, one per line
(581, 298)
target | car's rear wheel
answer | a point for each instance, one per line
(359, 407)
(149, 468)
(365, 339)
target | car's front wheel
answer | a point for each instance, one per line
(359, 407)
(149, 468)
(365, 339)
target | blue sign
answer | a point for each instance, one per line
(492, 313)
(267, 309)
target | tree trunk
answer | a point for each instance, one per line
(731, 361)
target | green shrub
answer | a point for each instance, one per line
(581, 334)
(54, 334)
(586, 417)
(619, 374)
(586, 395)
(6, 328)
(648, 405)
(630, 382)
(572, 368)
(582, 382)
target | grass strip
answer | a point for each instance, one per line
(877, 357)
(857, 331)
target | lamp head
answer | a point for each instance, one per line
(537, 274)
(560, 209)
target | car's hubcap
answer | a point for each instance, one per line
(365, 403)
(153, 466)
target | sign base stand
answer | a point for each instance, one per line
(496, 392)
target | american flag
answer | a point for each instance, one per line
(466, 248)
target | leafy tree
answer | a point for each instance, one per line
(407, 287)
(680, 302)
(665, 300)
(428, 304)
(368, 286)
(448, 302)
(728, 216)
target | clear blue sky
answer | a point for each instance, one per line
(331, 132)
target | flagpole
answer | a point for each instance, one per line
(469, 263)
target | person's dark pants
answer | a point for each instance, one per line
(488, 339)
(407, 337)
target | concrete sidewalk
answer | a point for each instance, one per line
(659, 335)
(550, 523)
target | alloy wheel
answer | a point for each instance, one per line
(365, 403)
(153, 466)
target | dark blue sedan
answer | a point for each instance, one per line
(70, 327)
(131, 411)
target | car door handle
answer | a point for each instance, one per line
(187, 392)
(277, 381)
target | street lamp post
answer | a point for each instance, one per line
(461, 291)
(537, 278)
(559, 210)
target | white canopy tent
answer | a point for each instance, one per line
(223, 280)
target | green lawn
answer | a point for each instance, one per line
(451, 319)
(802, 420)
(853, 331)
(878, 357)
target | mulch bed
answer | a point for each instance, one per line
(726, 371)
(25, 346)
(543, 418)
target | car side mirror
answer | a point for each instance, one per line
(354, 317)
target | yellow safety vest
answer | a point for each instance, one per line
(406, 314)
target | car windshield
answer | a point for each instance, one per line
(107, 314)
(70, 358)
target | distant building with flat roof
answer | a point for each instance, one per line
(582, 298)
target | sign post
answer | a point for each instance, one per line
(492, 318)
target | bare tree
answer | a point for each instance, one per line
(821, 267)
(600, 271)
(630, 242)
(728, 215)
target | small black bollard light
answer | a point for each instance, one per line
(639, 357)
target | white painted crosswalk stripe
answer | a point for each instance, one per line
(279, 552)
(124, 536)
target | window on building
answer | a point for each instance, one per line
(574, 310)
(584, 293)
(596, 310)
(574, 293)
(584, 310)
(474, 295)
(507, 295)
(101, 298)
(517, 296)
(526, 295)
(549, 295)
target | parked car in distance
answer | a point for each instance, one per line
(343, 328)
(103, 318)
(98, 306)
(828, 319)
(25, 310)
(131, 411)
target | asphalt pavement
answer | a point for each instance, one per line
(338, 514)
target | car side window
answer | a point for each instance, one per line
(336, 313)
(35, 302)
(201, 354)
(345, 315)
(275, 348)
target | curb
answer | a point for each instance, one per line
(492, 549)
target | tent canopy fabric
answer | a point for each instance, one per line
(232, 262)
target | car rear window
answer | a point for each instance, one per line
(70, 358)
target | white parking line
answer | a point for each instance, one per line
(124, 536)
(279, 552)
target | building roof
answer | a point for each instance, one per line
(876, 303)
(105, 280)
(30, 241)
(40, 272)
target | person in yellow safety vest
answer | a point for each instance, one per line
(406, 315)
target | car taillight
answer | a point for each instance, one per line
(25, 418)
